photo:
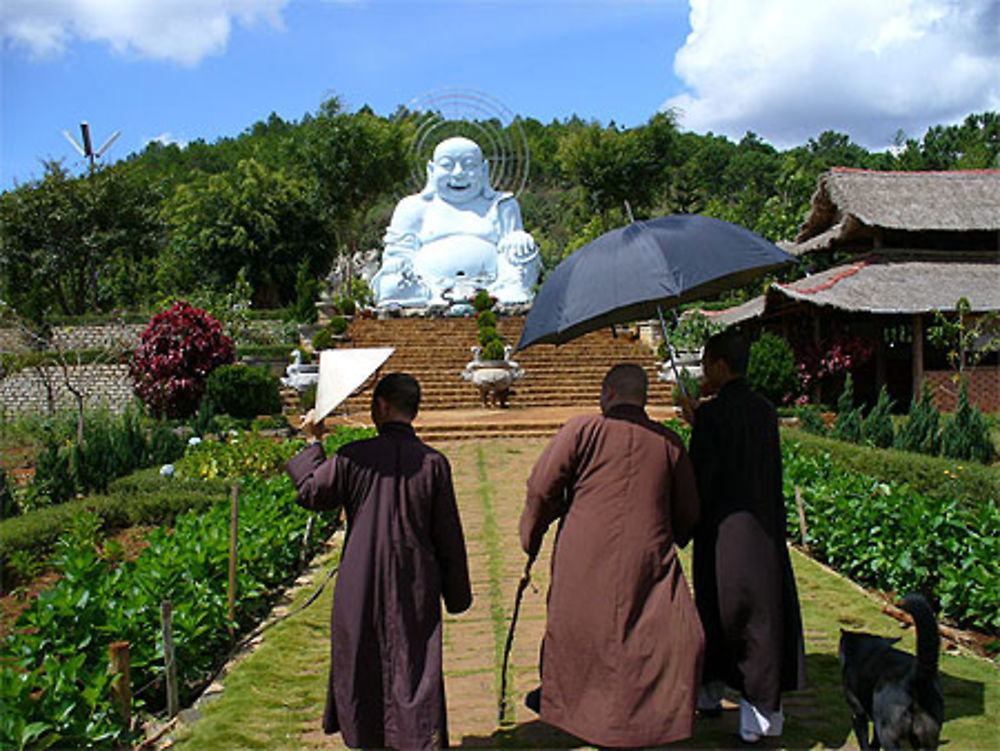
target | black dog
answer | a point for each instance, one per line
(900, 694)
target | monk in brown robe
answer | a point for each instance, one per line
(743, 580)
(404, 551)
(621, 656)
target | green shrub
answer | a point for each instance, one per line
(921, 431)
(811, 419)
(338, 325)
(486, 319)
(347, 306)
(692, 386)
(482, 301)
(487, 334)
(848, 424)
(890, 536)
(966, 434)
(492, 350)
(877, 430)
(7, 507)
(307, 287)
(243, 391)
(307, 398)
(771, 370)
(323, 339)
(970, 484)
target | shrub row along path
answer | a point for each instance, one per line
(273, 699)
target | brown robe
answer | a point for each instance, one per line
(743, 580)
(622, 649)
(403, 552)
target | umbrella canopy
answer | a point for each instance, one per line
(633, 272)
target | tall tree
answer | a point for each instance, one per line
(73, 245)
(264, 220)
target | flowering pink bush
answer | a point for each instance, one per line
(177, 351)
(832, 357)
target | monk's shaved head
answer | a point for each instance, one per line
(401, 392)
(628, 381)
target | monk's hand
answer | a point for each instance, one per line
(312, 429)
(687, 405)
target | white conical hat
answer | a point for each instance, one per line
(342, 371)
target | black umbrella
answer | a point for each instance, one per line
(633, 273)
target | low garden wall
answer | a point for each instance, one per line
(28, 390)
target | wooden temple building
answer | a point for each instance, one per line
(894, 248)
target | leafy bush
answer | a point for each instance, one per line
(969, 484)
(487, 334)
(921, 432)
(890, 536)
(338, 325)
(7, 508)
(848, 424)
(966, 434)
(347, 306)
(176, 354)
(113, 446)
(486, 319)
(243, 391)
(771, 370)
(811, 419)
(482, 301)
(54, 681)
(877, 430)
(493, 350)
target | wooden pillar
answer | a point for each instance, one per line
(917, 352)
(879, 352)
(121, 685)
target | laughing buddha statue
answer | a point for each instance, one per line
(456, 236)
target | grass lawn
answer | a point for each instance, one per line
(274, 698)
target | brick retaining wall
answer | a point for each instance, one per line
(984, 388)
(25, 392)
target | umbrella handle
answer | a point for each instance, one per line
(670, 353)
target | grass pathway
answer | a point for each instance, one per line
(274, 698)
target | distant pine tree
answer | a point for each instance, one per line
(921, 432)
(848, 424)
(877, 427)
(966, 435)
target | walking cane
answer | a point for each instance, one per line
(521, 586)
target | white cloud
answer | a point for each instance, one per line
(165, 139)
(788, 69)
(184, 31)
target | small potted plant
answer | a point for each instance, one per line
(491, 370)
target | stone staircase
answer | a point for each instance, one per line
(557, 382)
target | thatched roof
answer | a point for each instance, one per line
(875, 285)
(880, 286)
(849, 201)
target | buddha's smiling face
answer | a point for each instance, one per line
(458, 170)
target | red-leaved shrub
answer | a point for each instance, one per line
(177, 351)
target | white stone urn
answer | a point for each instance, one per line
(493, 378)
(299, 375)
(686, 360)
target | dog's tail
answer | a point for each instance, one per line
(928, 638)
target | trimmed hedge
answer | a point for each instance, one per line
(141, 498)
(939, 477)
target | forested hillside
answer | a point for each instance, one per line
(288, 196)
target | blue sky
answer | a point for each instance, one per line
(181, 70)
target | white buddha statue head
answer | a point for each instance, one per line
(458, 172)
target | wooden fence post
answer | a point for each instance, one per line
(121, 684)
(166, 621)
(800, 505)
(233, 529)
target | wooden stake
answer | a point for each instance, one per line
(166, 621)
(800, 505)
(233, 529)
(121, 685)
